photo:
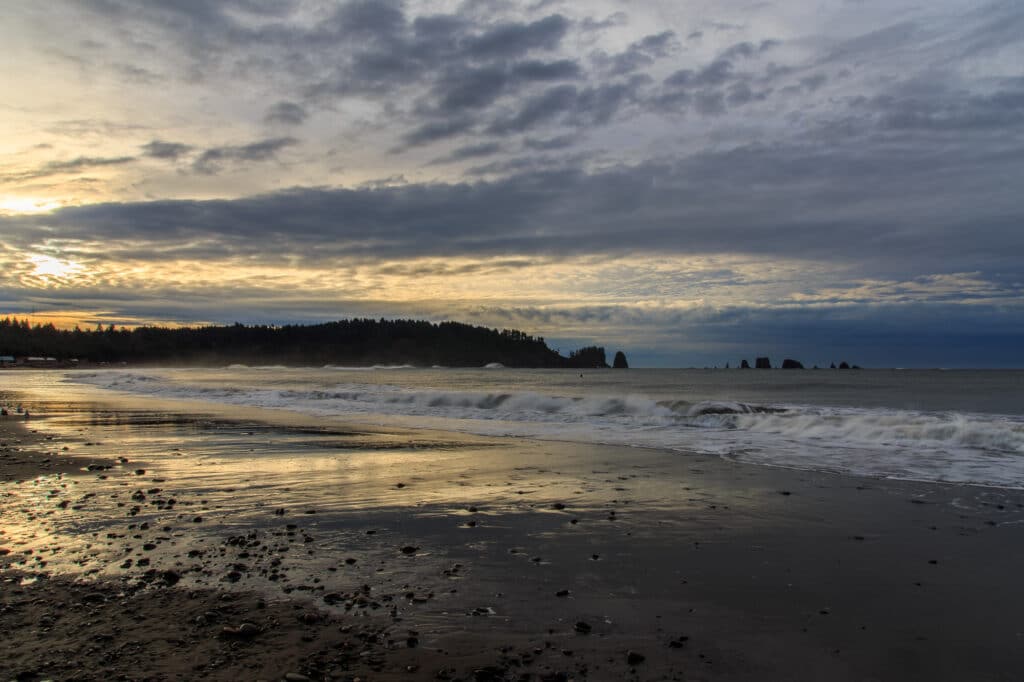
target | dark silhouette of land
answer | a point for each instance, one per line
(353, 342)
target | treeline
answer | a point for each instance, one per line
(351, 342)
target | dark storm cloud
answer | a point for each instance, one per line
(286, 113)
(551, 143)
(639, 54)
(513, 38)
(211, 160)
(463, 88)
(432, 132)
(884, 207)
(473, 151)
(748, 49)
(717, 72)
(159, 149)
(941, 110)
(569, 105)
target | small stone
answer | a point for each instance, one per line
(634, 658)
(582, 627)
(558, 505)
(409, 549)
(562, 593)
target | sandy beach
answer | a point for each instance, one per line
(144, 543)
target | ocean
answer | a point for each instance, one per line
(959, 426)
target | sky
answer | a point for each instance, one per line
(692, 182)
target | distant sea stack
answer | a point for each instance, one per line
(763, 363)
(744, 365)
(620, 361)
(792, 364)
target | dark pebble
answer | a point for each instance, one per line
(634, 658)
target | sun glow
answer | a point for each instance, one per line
(12, 205)
(48, 266)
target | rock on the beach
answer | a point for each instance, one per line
(634, 658)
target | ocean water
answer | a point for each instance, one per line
(961, 426)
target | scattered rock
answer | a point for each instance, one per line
(634, 658)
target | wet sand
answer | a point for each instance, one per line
(243, 545)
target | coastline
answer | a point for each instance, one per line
(706, 569)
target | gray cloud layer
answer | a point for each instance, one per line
(886, 140)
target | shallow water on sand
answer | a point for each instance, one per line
(957, 426)
(471, 540)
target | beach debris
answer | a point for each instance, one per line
(679, 642)
(582, 627)
(635, 658)
(558, 505)
(409, 549)
(562, 593)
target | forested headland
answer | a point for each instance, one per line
(357, 342)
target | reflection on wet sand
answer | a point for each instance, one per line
(526, 557)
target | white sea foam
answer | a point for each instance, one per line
(982, 449)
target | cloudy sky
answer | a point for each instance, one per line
(694, 182)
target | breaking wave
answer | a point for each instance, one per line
(879, 442)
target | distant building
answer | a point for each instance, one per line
(38, 361)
